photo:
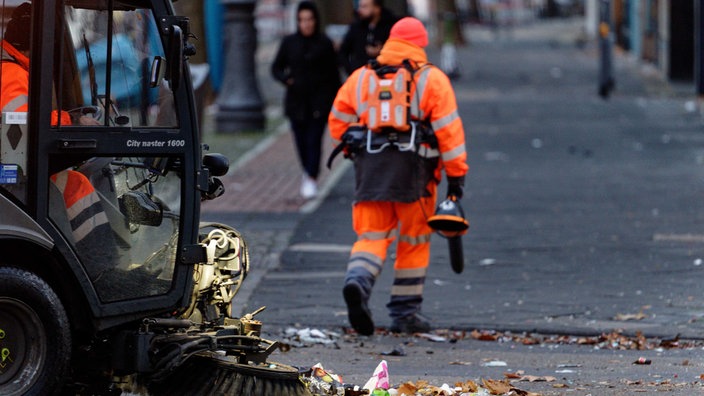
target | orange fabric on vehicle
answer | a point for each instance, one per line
(14, 84)
(76, 186)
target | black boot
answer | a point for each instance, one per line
(357, 310)
(414, 323)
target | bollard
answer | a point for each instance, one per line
(606, 78)
(241, 107)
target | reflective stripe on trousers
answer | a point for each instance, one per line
(375, 224)
(407, 292)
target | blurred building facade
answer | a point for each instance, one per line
(659, 32)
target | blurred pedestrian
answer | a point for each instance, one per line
(366, 36)
(397, 176)
(307, 64)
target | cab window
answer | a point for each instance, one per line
(105, 68)
(14, 96)
(121, 217)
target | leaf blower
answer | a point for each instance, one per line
(450, 222)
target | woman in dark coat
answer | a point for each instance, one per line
(307, 64)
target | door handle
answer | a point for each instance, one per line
(74, 144)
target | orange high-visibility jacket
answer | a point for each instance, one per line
(432, 99)
(14, 84)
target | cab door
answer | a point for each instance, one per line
(116, 159)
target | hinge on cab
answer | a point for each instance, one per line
(193, 254)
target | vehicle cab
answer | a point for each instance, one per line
(101, 173)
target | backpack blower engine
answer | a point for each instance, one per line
(449, 221)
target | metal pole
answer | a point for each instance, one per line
(699, 47)
(240, 103)
(606, 79)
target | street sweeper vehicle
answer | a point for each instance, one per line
(108, 282)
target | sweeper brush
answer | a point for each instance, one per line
(209, 375)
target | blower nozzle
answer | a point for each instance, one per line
(449, 219)
(450, 222)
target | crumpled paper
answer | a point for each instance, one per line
(323, 382)
(380, 378)
(298, 338)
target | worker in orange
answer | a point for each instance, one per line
(396, 188)
(15, 66)
(89, 224)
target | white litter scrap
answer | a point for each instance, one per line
(487, 261)
(307, 337)
(432, 337)
(495, 363)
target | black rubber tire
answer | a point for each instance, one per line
(35, 337)
(204, 375)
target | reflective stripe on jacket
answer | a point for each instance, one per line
(93, 237)
(432, 100)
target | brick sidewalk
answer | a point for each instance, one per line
(270, 181)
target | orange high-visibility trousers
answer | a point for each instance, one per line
(377, 224)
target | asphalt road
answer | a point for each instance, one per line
(582, 210)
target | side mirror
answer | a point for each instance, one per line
(175, 54)
(158, 71)
(217, 164)
(138, 208)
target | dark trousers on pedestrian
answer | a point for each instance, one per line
(309, 135)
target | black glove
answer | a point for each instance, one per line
(455, 186)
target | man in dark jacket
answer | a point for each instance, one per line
(366, 36)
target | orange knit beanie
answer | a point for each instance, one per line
(411, 30)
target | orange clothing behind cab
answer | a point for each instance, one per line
(435, 101)
(14, 84)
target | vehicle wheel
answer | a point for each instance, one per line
(207, 374)
(35, 337)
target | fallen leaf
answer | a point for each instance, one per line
(625, 317)
(535, 378)
(496, 387)
(512, 376)
(671, 342)
(422, 383)
(484, 335)
(560, 386)
(467, 386)
(521, 392)
(460, 363)
(407, 389)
